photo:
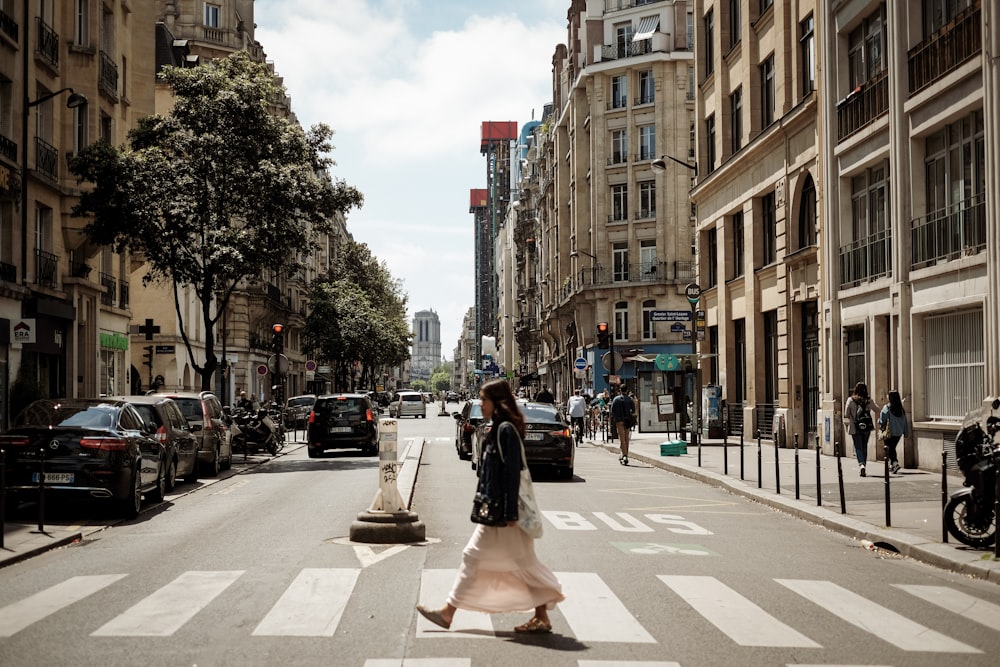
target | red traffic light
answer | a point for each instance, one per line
(602, 327)
(278, 328)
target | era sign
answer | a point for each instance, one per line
(22, 331)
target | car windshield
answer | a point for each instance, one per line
(539, 413)
(191, 407)
(48, 413)
(301, 401)
(340, 406)
(411, 398)
(476, 411)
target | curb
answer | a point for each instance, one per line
(37, 551)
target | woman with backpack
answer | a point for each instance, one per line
(858, 419)
(893, 425)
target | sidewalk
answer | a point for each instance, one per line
(915, 507)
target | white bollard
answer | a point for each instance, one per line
(387, 499)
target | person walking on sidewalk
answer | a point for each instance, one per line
(500, 571)
(623, 417)
(893, 425)
(858, 420)
(576, 409)
(545, 396)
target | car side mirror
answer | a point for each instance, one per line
(195, 427)
(457, 416)
(149, 428)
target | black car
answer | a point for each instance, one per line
(297, 409)
(203, 411)
(96, 447)
(548, 441)
(340, 421)
(466, 424)
(174, 432)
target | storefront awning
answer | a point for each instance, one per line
(647, 26)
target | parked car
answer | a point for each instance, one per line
(467, 423)
(548, 441)
(453, 397)
(96, 447)
(204, 412)
(297, 410)
(408, 404)
(339, 421)
(173, 432)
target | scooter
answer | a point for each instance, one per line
(970, 513)
(254, 431)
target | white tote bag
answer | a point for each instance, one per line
(529, 519)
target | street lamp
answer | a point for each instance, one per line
(75, 100)
(660, 164)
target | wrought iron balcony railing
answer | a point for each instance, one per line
(626, 50)
(8, 26)
(867, 102)
(8, 148)
(47, 45)
(949, 233)
(46, 158)
(866, 259)
(123, 295)
(8, 272)
(109, 75)
(110, 285)
(46, 265)
(942, 52)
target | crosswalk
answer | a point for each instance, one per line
(315, 601)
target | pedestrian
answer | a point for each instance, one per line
(858, 419)
(244, 403)
(545, 396)
(623, 417)
(500, 572)
(576, 408)
(893, 426)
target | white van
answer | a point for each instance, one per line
(408, 404)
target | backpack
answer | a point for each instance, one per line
(863, 419)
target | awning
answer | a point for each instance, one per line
(647, 26)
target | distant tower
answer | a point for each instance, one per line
(426, 353)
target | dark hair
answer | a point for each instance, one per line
(896, 404)
(504, 404)
(861, 390)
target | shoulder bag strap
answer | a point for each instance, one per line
(524, 457)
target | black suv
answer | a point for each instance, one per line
(173, 432)
(204, 412)
(340, 421)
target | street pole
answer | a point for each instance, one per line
(693, 293)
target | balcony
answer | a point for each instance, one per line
(8, 26)
(214, 35)
(618, 5)
(46, 264)
(109, 76)
(46, 158)
(8, 148)
(645, 272)
(8, 272)
(865, 103)
(123, 301)
(949, 233)
(110, 285)
(617, 158)
(47, 45)
(865, 260)
(944, 51)
(626, 50)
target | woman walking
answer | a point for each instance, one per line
(858, 414)
(893, 424)
(500, 571)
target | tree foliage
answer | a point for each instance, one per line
(218, 190)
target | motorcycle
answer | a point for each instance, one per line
(970, 513)
(256, 431)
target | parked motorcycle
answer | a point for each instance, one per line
(970, 513)
(254, 431)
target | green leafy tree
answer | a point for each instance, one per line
(218, 190)
(441, 378)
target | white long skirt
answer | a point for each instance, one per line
(501, 573)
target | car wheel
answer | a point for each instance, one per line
(132, 503)
(314, 453)
(170, 480)
(192, 476)
(567, 473)
(212, 467)
(157, 493)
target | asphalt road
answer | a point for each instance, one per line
(256, 569)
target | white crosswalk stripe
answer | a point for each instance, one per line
(19, 615)
(419, 662)
(959, 603)
(737, 617)
(434, 588)
(312, 605)
(874, 618)
(594, 612)
(165, 611)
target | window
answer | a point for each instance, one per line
(955, 364)
(854, 342)
(623, 38)
(621, 321)
(767, 92)
(647, 257)
(619, 262)
(646, 88)
(710, 142)
(736, 118)
(79, 128)
(647, 142)
(709, 42)
(771, 356)
(738, 254)
(711, 258)
(211, 15)
(647, 200)
(807, 50)
(807, 214)
(739, 388)
(869, 204)
(765, 5)
(769, 229)
(690, 32)
(43, 229)
(865, 46)
(648, 325)
(938, 13)
(619, 90)
(619, 203)
(7, 236)
(690, 94)
(735, 27)
(81, 23)
(106, 128)
(6, 108)
(619, 146)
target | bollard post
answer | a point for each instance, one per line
(760, 463)
(840, 476)
(41, 489)
(996, 518)
(819, 486)
(741, 453)
(796, 466)
(725, 453)
(888, 511)
(777, 469)
(944, 495)
(3, 494)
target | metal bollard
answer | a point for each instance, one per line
(41, 489)
(819, 486)
(741, 454)
(777, 469)
(759, 462)
(996, 518)
(796, 466)
(888, 511)
(3, 494)
(725, 453)
(944, 495)
(840, 476)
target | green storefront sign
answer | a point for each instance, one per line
(114, 341)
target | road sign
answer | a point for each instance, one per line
(692, 292)
(667, 362)
(677, 327)
(580, 364)
(277, 364)
(310, 365)
(670, 316)
(262, 369)
(612, 363)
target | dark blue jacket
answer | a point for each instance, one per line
(501, 477)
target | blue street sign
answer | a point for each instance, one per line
(580, 364)
(677, 327)
(670, 316)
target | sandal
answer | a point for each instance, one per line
(434, 616)
(534, 626)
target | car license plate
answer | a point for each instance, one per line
(535, 436)
(55, 477)
(340, 429)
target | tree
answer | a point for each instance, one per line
(441, 377)
(216, 191)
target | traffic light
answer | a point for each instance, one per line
(278, 338)
(148, 356)
(603, 336)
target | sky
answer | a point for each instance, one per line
(406, 85)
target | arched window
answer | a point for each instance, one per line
(807, 214)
